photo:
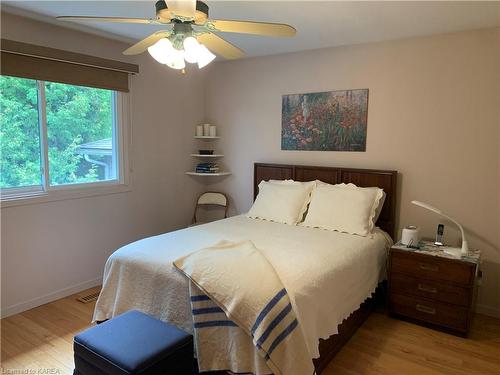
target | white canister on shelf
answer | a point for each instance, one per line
(199, 130)
(213, 131)
(206, 130)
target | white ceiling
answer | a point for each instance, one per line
(319, 24)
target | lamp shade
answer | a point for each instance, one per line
(161, 50)
(191, 50)
(427, 206)
(164, 52)
(205, 57)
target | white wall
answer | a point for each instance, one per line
(433, 101)
(53, 249)
(433, 115)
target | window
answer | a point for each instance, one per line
(20, 134)
(55, 135)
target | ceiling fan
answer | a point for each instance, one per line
(192, 37)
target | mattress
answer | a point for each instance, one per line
(327, 274)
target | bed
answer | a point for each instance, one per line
(141, 275)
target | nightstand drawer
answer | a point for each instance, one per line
(429, 267)
(436, 290)
(429, 311)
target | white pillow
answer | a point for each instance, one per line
(381, 202)
(344, 208)
(280, 202)
(378, 210)
(309, 185)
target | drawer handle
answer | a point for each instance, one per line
(425, 309)
(429, 267)
(427, 288)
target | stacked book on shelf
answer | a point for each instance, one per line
(207, 168)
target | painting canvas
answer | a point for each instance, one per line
(325, 121)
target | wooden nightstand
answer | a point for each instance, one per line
(430, 287)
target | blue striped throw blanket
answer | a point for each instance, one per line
(240, 305)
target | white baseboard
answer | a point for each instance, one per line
(23, 306)
(488, 310)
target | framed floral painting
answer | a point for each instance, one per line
(325, 121)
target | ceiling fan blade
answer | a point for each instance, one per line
(250, 27)
(183, 8)
(141, 46)
(109, 19)
(220, 46)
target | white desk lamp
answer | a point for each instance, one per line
(465, 247)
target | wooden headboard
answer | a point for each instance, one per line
(386, 180)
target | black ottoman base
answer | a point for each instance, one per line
(134, 343)
(184, 366)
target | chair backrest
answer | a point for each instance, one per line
(211, 198)
(214, 198)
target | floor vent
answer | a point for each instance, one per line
(88, 298)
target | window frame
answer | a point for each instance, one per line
(45, 192)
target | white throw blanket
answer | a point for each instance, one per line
(237, 290)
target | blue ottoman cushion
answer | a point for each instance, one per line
(133, 343)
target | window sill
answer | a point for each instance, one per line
(64, 193)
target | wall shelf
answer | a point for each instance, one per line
(208, 159)
(208, 174)
(207, 156)
(206, 138)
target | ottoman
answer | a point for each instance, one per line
(133, 343)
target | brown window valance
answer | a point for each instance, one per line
(49, 64)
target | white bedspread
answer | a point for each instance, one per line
(327, 274)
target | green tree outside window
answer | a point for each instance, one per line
(75, 116)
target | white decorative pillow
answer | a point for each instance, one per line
(280, 202)
(309, 185)
(378, 210)
(344, 208)
(381, 202)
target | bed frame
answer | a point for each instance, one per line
(386, 180)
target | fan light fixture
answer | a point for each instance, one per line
(186, 25)
(164, 52)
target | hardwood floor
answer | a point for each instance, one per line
(41, 340)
